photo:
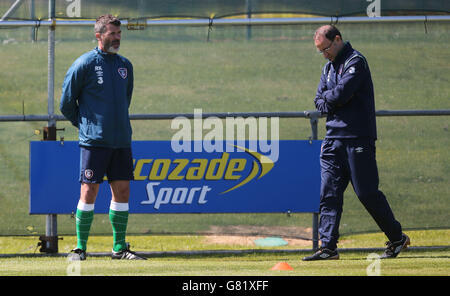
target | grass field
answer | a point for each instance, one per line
(411, 263)
(164, 261)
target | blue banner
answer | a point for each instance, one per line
(240, 180)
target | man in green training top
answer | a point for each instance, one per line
(95, 98)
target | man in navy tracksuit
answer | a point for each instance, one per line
(96, 95)
(345, 94)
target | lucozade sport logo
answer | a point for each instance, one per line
(226, 168)
(233, 171)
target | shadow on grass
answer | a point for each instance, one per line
(407, 254)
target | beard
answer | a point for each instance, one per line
(113, 50)
(109, 47)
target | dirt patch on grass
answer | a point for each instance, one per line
(249, 241)
(245, 235)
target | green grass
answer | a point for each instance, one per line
(177, 71)
(170, 243)
(410, 262)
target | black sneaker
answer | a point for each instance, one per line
(393, 249)
(323, 254)
(77, 255)
(126, 254)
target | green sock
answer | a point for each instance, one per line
(83, 224)
(119, 221)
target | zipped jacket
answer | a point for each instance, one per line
(345, 93)
(96, 95)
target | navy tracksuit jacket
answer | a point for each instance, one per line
(345, 94)
(96, 95)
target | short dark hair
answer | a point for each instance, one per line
(330, 32)
(103, 20)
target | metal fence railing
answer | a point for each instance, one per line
(51, 237)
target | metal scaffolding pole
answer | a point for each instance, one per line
(51, 230)
(236, 22)
(33, 16)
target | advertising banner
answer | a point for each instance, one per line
(239, 179)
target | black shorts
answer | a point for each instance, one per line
(98, 162)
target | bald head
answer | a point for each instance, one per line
(328, 41)
(328, 31)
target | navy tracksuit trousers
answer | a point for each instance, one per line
(351, 160)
